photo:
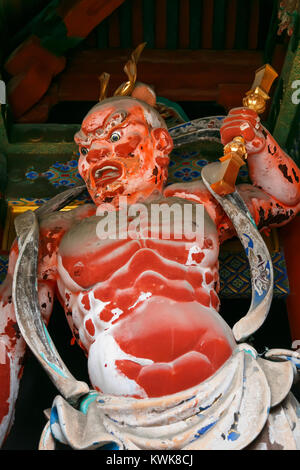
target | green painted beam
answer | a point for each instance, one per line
(219, 24)
(125, 14)
(242, 24)
(173, 23)
(195, 23)
(50, 138)
(149, 23)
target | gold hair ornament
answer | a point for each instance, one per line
(130, 69)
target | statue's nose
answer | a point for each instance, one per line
(97, 154)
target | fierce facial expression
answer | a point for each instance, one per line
(124, 147)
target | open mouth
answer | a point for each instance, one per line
(106, 174)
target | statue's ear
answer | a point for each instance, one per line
(163, 140)
(145, 93)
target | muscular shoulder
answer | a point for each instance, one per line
(63, 220)
(52, 229)
(196, 191)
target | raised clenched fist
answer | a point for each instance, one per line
(245, 123)
(270, 168)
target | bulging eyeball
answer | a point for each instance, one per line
(115, 137)
(84, 151)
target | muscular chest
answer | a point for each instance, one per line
(86, 259)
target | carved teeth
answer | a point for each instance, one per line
(101, 170)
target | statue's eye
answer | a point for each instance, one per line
(84, 151)
(115, 137)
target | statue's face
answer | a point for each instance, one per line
(121, 154)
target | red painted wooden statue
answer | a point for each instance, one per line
(144, 310)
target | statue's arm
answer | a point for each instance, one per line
(273, 198)
(12, 345)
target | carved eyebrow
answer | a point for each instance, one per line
(81, 138)
(116, 118)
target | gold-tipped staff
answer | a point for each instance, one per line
(235, 152)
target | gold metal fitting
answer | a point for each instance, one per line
(230, 166)
(256, 100)
(257, 97)
(237, 146)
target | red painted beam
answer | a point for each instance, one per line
(33, 66)
(82, 16)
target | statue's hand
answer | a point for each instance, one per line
(269, 167)
(245, 123)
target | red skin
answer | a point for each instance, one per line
(183, 349)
